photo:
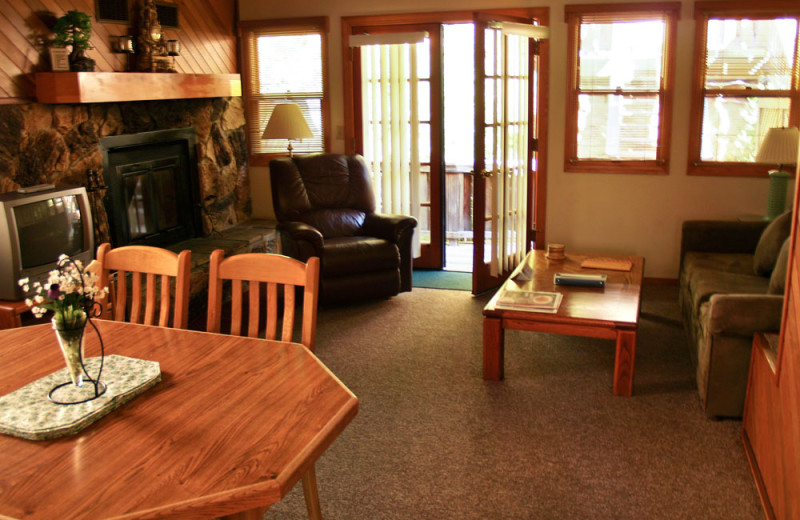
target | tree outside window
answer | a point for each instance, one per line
(620, 75)
(746, 82)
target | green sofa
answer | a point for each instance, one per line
(732, 279)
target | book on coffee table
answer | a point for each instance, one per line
(604, 262)
(535, 301)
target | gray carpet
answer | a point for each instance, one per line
(432, 440)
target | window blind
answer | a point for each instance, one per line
(285, 66)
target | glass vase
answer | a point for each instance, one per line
(70, 339)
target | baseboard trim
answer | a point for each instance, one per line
(660, 281)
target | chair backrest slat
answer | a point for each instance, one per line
(121, 293)
(273, 270)
(254, 290)
(236, 308)
(160, 267)
(272, 311)
(288, 315)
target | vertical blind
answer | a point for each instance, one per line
(506, 147)
(391, 129)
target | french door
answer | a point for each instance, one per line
(506, 113)
(397, 82)
(507, 201)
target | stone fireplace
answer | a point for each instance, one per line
(61, 144)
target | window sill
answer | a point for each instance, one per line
(623, 167)
(723, 169)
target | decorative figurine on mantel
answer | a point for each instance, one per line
(151, 49)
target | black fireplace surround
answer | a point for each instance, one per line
(152, 180)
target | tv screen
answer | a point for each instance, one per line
(36, 227)
(48, 228)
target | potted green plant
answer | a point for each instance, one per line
(74, 29)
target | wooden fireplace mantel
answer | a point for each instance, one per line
(107, 87)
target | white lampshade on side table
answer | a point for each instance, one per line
(287, 122)
(778, 147)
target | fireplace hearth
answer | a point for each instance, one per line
(152, 187)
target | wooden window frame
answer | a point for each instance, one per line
(308, 25)
(574, 14)
(761, 10)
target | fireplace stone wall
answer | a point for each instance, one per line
(57, 144)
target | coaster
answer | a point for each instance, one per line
(555, 252)
(29, 414)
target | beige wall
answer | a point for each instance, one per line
(635, 214)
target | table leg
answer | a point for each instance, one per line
(623, 366)
(311, 494)
(493, 349)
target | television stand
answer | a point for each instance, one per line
(11, 313)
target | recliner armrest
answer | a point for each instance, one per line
(388, 227)
(302, 231)
(745, 314)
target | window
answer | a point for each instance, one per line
(285, 62)
(746, 82)
(620, 93)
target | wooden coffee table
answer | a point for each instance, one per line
(611, 312)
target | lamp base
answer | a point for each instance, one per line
(776, 199)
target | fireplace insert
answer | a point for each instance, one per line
(152, 181)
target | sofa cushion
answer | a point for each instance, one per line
(777, 282)
(769, 245)
(704, 283)
(738, 263)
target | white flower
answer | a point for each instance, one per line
(24, 281)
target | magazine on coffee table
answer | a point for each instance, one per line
(534, 301)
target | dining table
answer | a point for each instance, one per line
(230, 428)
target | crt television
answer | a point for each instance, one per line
(36, 227)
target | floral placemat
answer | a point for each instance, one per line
(29, 414)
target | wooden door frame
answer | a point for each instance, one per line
(537, 125)
(432, 255)
(537, 189)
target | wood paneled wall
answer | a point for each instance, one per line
(771, 422)
(207, 34)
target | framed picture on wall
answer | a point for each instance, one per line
(59, 59)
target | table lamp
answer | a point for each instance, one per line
(287, 122)
(778, 147)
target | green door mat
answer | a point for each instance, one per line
(442, 280)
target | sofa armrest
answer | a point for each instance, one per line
(745, 314)
(300, 240)
(721, 236)
(388, 227)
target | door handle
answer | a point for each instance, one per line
(483, 173)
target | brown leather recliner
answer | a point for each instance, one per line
(325, 207)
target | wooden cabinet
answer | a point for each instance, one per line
(771, 421)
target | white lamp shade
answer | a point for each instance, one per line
(287, 122)
(779, 146)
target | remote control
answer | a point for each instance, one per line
(37, 187)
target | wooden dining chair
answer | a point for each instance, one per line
(274, 270)
(128, 295)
